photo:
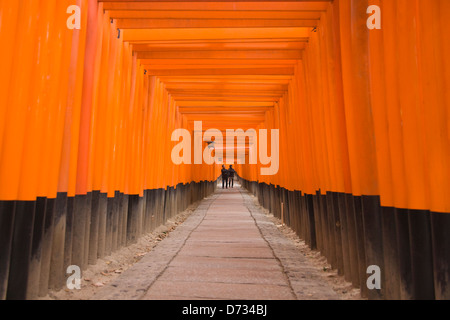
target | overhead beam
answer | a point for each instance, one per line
(214, 33)
(229, 81)
(211, 65)
(247, 54)
(142, 23)
(235, 78)
(298, 44)
(225, 86)
(217, 62)
(222, 110)
(202, 14)
(214, 5)
(205, 97)
(222, 71)
(249, 96)
(218, 103)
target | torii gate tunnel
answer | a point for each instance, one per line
(358, 91)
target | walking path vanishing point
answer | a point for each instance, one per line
(227, 249)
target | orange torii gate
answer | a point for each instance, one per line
(86, 117)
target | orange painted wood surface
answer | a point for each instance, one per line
(359, 111)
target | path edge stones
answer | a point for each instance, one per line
(303, 278)
(134, 283)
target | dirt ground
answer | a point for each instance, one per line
(344, 289)
(109, 268)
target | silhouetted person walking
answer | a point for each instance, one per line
(224, 177)
(231, 173)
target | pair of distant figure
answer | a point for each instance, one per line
(227, 177)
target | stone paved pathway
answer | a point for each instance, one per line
(227, 249)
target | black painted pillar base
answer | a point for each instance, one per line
(336, 226)
(373, 240)
(313, 223)
(328, 228)
(390, 252)
(352, 240)
(36, 248)
(440, 226)
(21, 250)
(101, 206)
(313, 200)
(47, 243)
(123, 207)
(94, 230)
(404, 254)
(87, 228)
(79, 231)
(421, 254)
(133, 217)
(69, 234)
(359, 228)
(342, 229)
(116, 221)
(56, 271)
(7, 210)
